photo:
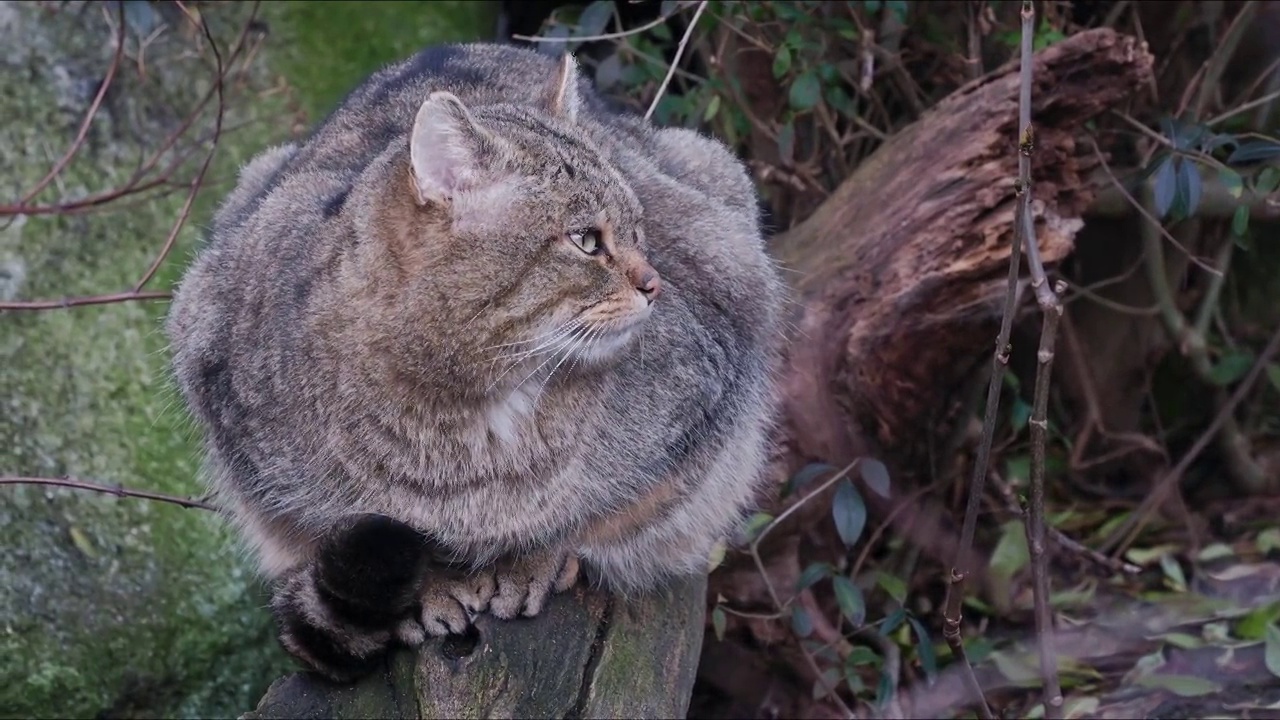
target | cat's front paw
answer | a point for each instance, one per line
(452, 598)
(525, 583)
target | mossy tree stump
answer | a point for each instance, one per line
(589, 655)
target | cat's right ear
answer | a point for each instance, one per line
(446, 149)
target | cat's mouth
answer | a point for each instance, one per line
(607, 338)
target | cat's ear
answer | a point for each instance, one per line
(562, 100)
(447, 149)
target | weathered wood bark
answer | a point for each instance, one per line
(899, 278)
(589, 655)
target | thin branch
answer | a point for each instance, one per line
(773, 592)
(1138, 520)
(117, 490)
(1051, 310)
(219, 77)
(70, 302)
(89, 115)
(1060, 538)
(609, 36)
(675, 62)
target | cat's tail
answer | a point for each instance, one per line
(340, 613)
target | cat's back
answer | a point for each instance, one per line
(382, 109)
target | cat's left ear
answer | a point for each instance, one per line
(562, 96)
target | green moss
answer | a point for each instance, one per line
(127, 607)
(326, 48)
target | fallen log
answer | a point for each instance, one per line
(899, 278)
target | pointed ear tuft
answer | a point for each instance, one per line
(447, 149)
(563, 101)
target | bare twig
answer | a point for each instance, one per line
(1191, 342)
(117, 490)
(71, 302)
(675, 61)
(219, 78)
(89, 115)
(773, 592)
(610, 36)
(1051, 310)
(1060, 538)
(1138, 520)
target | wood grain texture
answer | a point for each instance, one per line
(589, 655)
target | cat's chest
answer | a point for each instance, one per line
(507, 420)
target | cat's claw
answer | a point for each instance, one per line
(452, 602)
(525, 584)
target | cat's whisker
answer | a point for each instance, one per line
(567, 325)
(576, 351)
(569, 341)
(547, 346)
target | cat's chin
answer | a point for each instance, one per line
(609, 346)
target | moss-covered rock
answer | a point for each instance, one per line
(123, 607)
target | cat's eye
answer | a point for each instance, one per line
(588, 241)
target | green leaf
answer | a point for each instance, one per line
(1232, 181)
(594, 18)
(1271, 652)
(712, 108)
(849, 598)
(1173, 572)
(1189, 187)
(1254, 626)
(801, 623)
(884, 689)
(1255, 150)
(892, 622)
(875, 475)
(849, 512)
(830, 680)
(1269, 539)
(924, 650)
(755, 524)
(894, 587)
(1181, 685)
(840, 100)
(1230, 368)
(806, 475)
(1011, 554)
(782, 61)
(1166, 186)
(862, 655)
(718, 622)
(805, 91)
(609, 71)
(812, 574)
(1240, 221)
(1018, 469)
(1267, 181)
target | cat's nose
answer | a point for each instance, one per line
(648, 282)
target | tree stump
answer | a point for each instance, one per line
(588, 655)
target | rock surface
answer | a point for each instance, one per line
(121, 607)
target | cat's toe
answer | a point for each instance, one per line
(442, 614)
(525, 585)
(410, 632)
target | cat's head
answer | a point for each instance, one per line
(516, 247)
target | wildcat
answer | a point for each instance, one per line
(479, 333)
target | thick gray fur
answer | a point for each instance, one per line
(331, 375)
